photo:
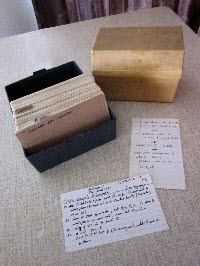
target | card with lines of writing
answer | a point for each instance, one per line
(111, 212)
(156, 150)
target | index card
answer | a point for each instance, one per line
(111, 212)
(156, 149)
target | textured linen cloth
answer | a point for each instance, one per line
(31, 228)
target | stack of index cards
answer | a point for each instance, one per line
(47, 117)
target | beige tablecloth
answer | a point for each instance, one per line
(31, 230)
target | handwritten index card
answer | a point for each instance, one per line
(111, 212)
(156, 149)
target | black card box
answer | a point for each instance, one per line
(74, 146)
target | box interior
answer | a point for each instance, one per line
(42, 79)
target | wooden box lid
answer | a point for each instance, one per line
(138, 48)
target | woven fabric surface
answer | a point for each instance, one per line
(31, 229)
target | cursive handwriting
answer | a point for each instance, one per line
(111, 212)
(156, 149)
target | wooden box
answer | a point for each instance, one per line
(139, 64)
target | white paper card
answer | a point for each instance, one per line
(156, 149)
(111, 212)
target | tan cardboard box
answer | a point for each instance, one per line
(139, 64)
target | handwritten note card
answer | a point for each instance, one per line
(111, 212)
(156, 149)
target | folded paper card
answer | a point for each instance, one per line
(156, 149)
(111, 212)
